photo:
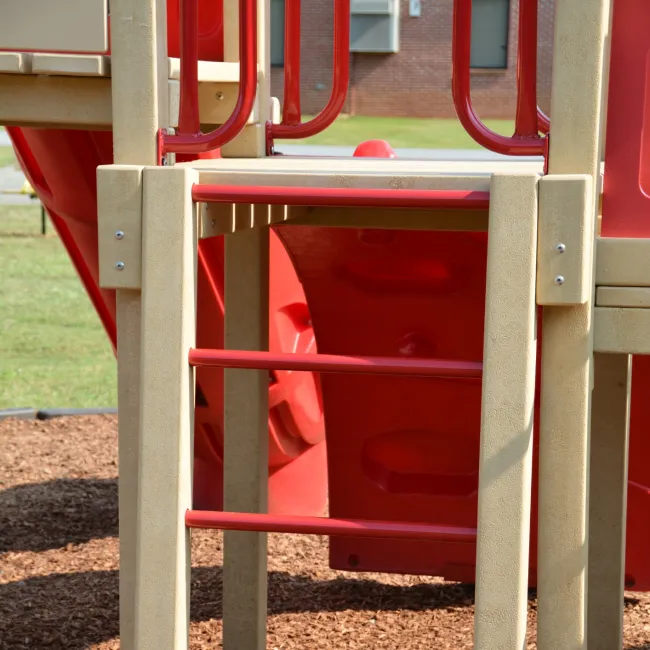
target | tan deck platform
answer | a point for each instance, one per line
(74, 91)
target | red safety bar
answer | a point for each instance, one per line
(291, 126)
(189, 139)
(342, 197)
(526, 140)
(263, 523)
(254, 360)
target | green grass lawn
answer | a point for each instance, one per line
(402, 132)
(7, 157)
(53, 349)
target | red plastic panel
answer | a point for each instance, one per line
(406, 449)
(626, 204)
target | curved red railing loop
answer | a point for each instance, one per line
(202, 142)
(543, 122)
(291, 127)
(461, 90)
(291, 112)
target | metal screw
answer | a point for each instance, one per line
(164, 161)
(560, 248)
(213, 222)
(119, 266)
(559, 280)
(219, 95)
(119, 234)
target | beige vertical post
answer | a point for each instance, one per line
(610, 416)
(246, 439)
(251, 142)
(581, 28)
(507, 415)
(139, 69)
(169, 247)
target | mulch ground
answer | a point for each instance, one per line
(59, 562)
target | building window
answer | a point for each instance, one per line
(490, 20)
(277, 33)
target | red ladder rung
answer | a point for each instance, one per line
(298, 525)
(343, 197)
(258, 360)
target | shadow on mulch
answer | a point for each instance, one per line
(75, 610)
(44, 516)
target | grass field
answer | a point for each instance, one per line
(403, 132)
(7, 156)
(53, 348)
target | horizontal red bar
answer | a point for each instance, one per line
(326, 526)
(335, 363)
(342, 197)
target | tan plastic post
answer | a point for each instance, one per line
(251, 142)
(169, 247)
(246, 439)
(139, 69)
(610, 427)
(581, 28)
(507, 415)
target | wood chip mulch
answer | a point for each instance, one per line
(59, 561)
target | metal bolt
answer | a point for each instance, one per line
(119, 234)
(559, 280)
(164, 161)
(119, 266)
(560, 248)
(219, 95)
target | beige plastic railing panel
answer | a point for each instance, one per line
(54, 25)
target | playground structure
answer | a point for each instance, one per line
(431, 288)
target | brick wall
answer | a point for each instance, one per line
(416, 81)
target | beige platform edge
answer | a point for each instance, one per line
(156, 383)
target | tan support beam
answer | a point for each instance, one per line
(608, 499)
(169, 241)
(623, 262)
(635, 297)
(218, 219)
(246, 439)
(578, 90)
(139, 69)
(622, 330)
(507, 416)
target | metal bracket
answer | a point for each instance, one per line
(119, 225)
(565, 240)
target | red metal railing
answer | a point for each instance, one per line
(526, 140)
(263, 523)
(291, 126)
(331, 363)
(189, 139)
(342, 197)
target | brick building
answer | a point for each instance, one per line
(415, 80)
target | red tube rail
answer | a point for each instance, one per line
(518, 145)
(342, 197)
(291, 113)
(291, 127)
(196, 142)
(526, 123)
(262, 523)
(262, 360)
